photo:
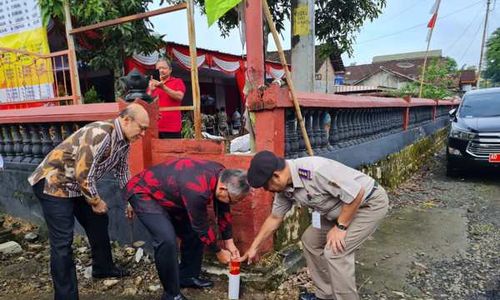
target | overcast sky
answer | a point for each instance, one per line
(400, 28)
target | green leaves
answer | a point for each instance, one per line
(215, 9)
(492, 71)
(336, 21)
(441, 81)
(51, 9)
(110, 45)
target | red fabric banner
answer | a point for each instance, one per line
(432, 21)
(227, 63)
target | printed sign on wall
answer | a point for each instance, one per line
(23, 77)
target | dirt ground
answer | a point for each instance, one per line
(441, 240)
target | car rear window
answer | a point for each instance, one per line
(480, 106)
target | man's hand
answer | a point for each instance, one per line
(335, 240)
(129, 212)
(100, 208)
(153, 83)
(224, 256)
(156, 83)
(229, 245)
(251, 255)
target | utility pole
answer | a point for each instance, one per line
(303, 47)
(485, 29)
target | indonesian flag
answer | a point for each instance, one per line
(432, 21)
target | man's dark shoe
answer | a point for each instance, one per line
(115, 272)
(178, 297)
(308, 296)
(196, 282)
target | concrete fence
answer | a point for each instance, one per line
(357, 131)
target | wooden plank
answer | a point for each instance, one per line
(130, 18)
(69, 113)
(72, 60)
(176, 108)
(186, 146)
(194, 70)
(19, 51)
(56, 99)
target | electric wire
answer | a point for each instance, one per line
(418, 25)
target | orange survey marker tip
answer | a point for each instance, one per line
(234, 267)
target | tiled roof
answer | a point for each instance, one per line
(409, 67)
(468, 76)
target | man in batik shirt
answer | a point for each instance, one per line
(171, 199)
(65, 183)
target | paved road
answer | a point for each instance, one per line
(440, 241)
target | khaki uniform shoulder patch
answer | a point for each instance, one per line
(305, 174)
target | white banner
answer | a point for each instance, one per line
(228, 66)
(19, 15)
(276, 73)
(147, 59)
(185, 60)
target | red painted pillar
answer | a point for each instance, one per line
(434, 111)
(406, 113)
(255, 43)
(269, 124)
(406, 118)
(259, 206)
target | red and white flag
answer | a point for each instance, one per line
(432, 21)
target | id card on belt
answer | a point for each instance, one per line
(316, 220)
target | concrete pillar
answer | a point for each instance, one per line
(255, 42)
(303, 45)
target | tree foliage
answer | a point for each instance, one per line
(492, 71)
(441, 81)
(336, 21)
(107, 47)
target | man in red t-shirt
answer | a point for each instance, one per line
(170, 91)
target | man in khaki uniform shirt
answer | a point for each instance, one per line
(346, 207)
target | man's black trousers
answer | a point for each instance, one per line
(60, 216)
(164, 229)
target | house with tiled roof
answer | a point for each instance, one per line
(468, 80)
(389, 71)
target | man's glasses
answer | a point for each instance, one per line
(143, 128)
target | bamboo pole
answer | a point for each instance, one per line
(176, 108)
(423, 69)
(296, 104)
(39, 55)
(194, 70)
(130, 18)
(427, 53)
(73, 65)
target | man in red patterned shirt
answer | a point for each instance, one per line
(170, 92)
(171, 200)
